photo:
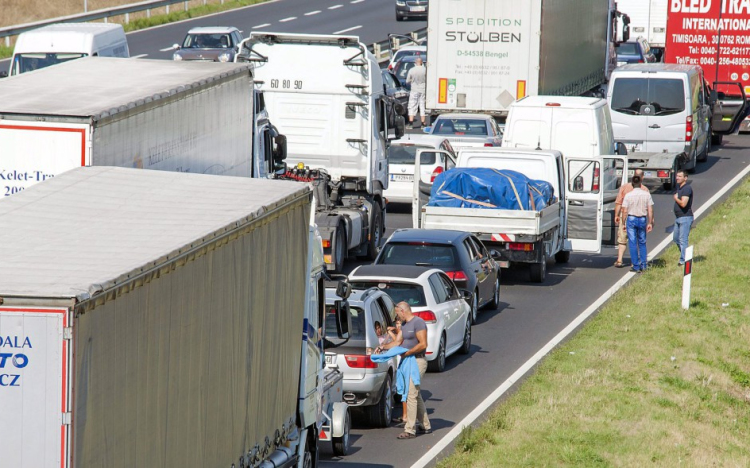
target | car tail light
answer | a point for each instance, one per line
(689, 128)
(427, 315)
(326, 243)
(359, 361)
(595, 185)
(438, 170)
(390, 66)
(641, 61)
(521, 246)
(662, 174)
(456, 275)
(488, 145)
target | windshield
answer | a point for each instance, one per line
(399, 154)
(206, 41)
(399, 292)
(23, 63)
(401, 70)
(460, 127)
(400, 54)
(648, 96)
(422, 254)
(627, 48)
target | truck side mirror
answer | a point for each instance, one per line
(621, 149)
(279, 152)
(343, 290)
(343, 319)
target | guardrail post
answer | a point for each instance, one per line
(396, 44)
(414, 37)
(186, 6)
(7, 41)
(127, 18)
(148, 13)
(167, 9)
(376, 51)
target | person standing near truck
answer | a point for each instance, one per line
(638, 209)
(622, 232)
(417, 77)
(683, 211)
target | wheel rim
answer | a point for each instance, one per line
(467, 335)
(442, 352)
(308, 460)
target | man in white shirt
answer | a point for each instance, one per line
(638, 210)
(416, 77)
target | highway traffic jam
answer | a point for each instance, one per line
(150, 206)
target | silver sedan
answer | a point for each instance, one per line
(467, 130)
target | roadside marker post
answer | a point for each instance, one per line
(686, 277)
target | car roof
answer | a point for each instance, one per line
(445, 236)
(356, 298)
(460, 115)
(421, 140)
(391, 271)
(212, 30)
(412, 48)
(570, 102)
(657, 67)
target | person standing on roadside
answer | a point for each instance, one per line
(417, 77)
(683, 211)
(638, 210)
(622, 232)
(413, 336)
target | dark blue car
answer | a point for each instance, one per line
(634, 51)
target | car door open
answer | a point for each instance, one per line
(423, 181)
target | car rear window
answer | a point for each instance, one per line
(400, 154)
(422, 254)
(399, 292)
(665, 96)
(400, 54)
(460, 126)
(628, 48)
(358, 330)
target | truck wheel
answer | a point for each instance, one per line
(466, 346)
(341, 444)
(376, 231)
(339, 249)
(562, 256)
(672, 182)
(538, 271)
(311, 450)
(380, 414)
(438, 364)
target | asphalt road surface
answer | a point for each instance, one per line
(529, 316)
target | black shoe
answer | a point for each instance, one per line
(422, 430)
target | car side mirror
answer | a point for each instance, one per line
(621, 149)
(279, 152)
(343, 318)
(466, 295)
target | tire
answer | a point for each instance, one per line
(311, 451)
(495, 302)
(380, 414)
(438, 364)
(341, 444)
(376, 232)
(538, 271)
(339, 249)
(562, 256)
(694, 162)
(466, 346)
(703, 155)
(672, 182)
(399, 17)
(716, 140)
(474, 307)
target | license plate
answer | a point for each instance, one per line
(649, 174)
(330, 358)
(417, 9)
(402, 178)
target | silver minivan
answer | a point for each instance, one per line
(658, 107)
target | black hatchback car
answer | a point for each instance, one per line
(459, 254)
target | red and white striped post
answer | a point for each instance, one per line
(686, 277)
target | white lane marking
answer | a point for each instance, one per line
(348, 29)
(139, 56)
(310, 13)
(334, 7)
(528, 365)
(356, 1)
(261, 26)
(291, 18)
(167, 49)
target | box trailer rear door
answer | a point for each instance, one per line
(34, 387)
(35, 151)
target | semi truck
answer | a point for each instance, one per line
(648, 19)
(338, 122)
(150, 114)
(144, 325)
(714, 35)
(493, 52)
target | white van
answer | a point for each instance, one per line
(59, 43)
(659, 107)
(575, 126)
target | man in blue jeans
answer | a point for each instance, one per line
(638, 210)
(683, 211)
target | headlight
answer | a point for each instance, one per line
(176, 56)
(225, 57)
(401, 2)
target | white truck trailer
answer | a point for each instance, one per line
(142, 325)
(325, 94)
(488, 53)
(648, 18)
(151, 114)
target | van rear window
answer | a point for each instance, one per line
(401, 154)
(661, 96)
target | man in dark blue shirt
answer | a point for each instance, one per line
(683, 210)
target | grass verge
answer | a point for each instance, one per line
(644, 383)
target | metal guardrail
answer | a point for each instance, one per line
(105, 13)
(382, 50)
